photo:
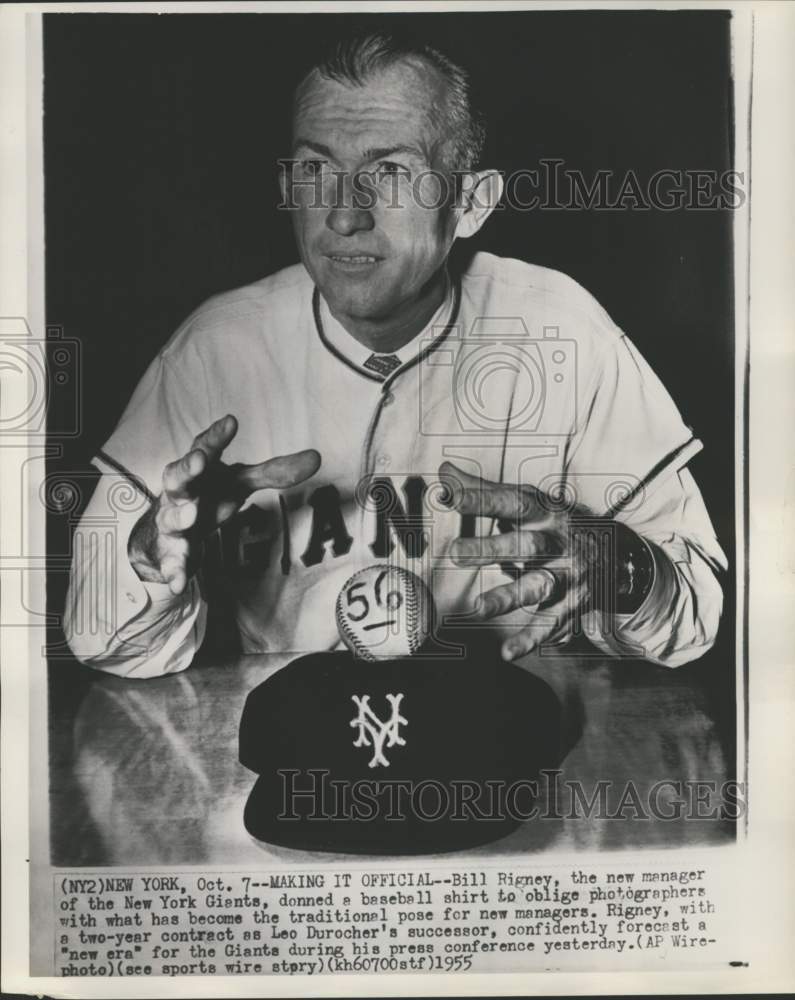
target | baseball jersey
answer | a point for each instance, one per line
(520, 377)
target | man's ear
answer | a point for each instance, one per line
(479, 195)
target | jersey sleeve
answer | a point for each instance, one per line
(113, 621)
(627, 426)
(166, 412)
(627, 459)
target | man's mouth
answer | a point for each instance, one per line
(352, 258)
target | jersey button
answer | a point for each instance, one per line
(383, 461)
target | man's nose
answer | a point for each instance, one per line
(350, 212)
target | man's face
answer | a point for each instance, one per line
(371, 252)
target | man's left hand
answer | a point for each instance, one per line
(555, 562)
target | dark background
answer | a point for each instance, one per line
(161, 136)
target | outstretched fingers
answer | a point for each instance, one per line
(173, 519)
(174, 570)
(277, 473)
(216, 437)
(470, 494)
(529, 590)
(179, 477)
(511, 546)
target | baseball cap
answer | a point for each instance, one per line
(404, 756)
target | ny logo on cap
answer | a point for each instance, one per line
(379, 732)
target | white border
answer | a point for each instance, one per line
(768, 874)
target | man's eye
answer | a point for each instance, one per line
(389, 167)
(313, 167)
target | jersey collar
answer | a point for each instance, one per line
(342, 345)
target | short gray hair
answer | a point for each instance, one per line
(355, 59)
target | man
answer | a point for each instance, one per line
(489, 429)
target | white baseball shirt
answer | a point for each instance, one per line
(520, 377)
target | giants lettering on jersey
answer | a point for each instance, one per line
(246, 544)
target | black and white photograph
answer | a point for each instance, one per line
(386, 423)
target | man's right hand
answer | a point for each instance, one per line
(199, 493)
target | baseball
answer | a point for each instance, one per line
(384, 612)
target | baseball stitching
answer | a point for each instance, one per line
(412, 607)
(342, 622)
